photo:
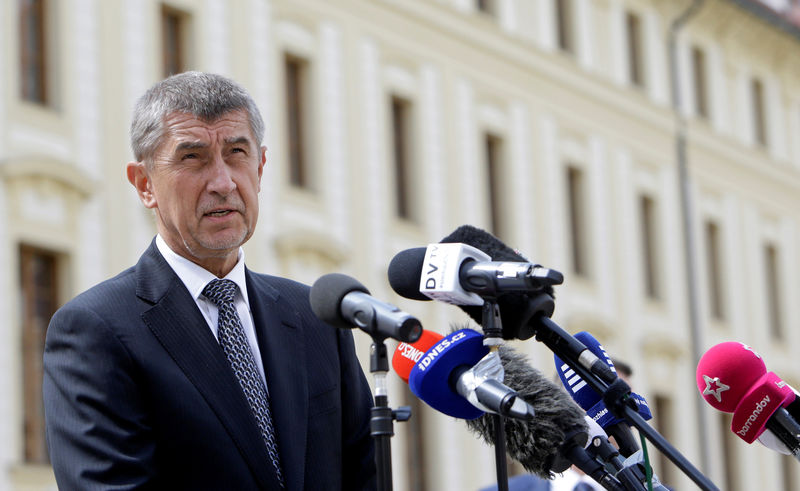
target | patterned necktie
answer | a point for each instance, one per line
(237, 350)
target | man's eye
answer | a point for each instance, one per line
(238, 150)
(189, 156)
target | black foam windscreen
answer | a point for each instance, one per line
(516, 309)
(326, 297)
(535, 444)
(405, 271)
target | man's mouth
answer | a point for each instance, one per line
(219, 213)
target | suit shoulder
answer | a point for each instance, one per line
(106, 294)
(284, 287)
(276, 281)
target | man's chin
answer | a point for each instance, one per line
(220, 245)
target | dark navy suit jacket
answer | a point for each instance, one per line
(139, 394)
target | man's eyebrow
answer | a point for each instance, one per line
(237, 140)
(190, 146)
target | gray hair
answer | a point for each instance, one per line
(207, 96)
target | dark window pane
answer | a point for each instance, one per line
(773, 289)
(494, 166)
(565, 32)
(577, 220)
(296, 73)
(173, 27)
(647, 213)
(400, 114)
(759, 118)
(38, 285)
(635, 62)
(33, 51)
(700, 81)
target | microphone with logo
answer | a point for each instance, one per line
(593, 403)
(458, 376)
(597, 411)
(733, 378)
(466, 275)
(551, 441)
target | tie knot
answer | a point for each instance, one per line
(220, 291)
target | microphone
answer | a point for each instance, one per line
(458, 376)
(408, 354)
(469, 265)
(733, 378)
(343, 302)
(593, 403)
(534, 443)
(552, 441)
(460, 274)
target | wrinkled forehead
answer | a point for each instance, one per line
(231, 127)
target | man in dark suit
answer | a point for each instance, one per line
(189, 371)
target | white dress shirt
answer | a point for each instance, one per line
(195, 278)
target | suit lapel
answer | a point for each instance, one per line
(179, 326)
(282, 345)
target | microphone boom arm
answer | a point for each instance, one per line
(573, 352)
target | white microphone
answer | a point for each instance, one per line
(460, 274)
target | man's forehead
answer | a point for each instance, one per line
(232, 126)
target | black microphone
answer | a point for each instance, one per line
(342, 301)
(482, 266)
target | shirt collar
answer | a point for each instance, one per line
(195, 277)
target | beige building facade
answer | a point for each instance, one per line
(392, 122)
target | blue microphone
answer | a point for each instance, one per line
(593, 403)
(458, 377)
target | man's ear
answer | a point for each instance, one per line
(140, 179)
(261, 163)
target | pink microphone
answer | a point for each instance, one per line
(733, 378)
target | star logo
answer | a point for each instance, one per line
(717, 391)
(748, 348)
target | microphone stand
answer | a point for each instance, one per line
(381, 423)
(493, 338)
(615, 392)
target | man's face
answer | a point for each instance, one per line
(203, 186)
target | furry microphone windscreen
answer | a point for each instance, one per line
(534, 444)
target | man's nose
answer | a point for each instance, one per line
(220, 180)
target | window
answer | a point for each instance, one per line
(565, 35)
(494, 166)
(174, 32)
(576, 207)
(700, 82)
(662, 415)
(714, 270)
(772, 290)
(759, 118)
(297, 98)
(33, 51)
(647, 215)
(635, 53)
(401, 153)
(38, 287)
(485, 6)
